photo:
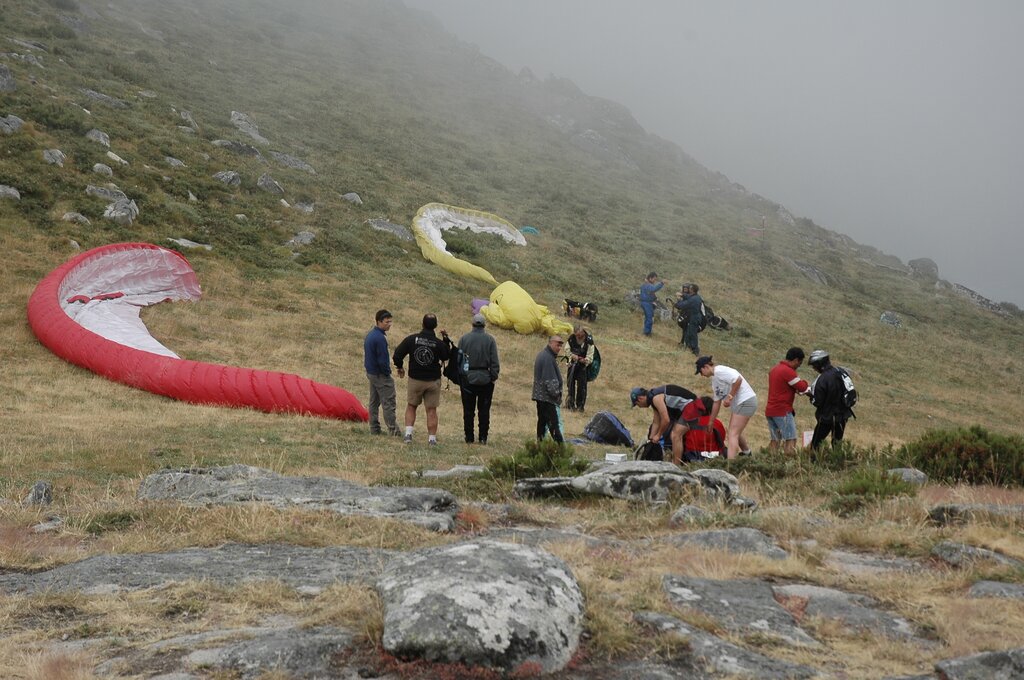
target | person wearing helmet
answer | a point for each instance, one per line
(828, 396)
(675, 410)
(731, 390)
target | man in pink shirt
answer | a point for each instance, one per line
(783, 385)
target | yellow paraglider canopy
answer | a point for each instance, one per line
(513, 308)
(434, 218)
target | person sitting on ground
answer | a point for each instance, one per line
(691, 309)
(731, 390)
(581, 354)
(783, 385)
(426, 352)
(675, 410)
(706, 439)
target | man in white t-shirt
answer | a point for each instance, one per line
(730, 389)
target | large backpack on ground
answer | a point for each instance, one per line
(605, 428)
(649, 451)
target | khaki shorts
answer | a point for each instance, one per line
(426, 392)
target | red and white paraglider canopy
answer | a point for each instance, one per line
(87, 312)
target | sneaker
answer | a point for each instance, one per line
(407, 439)
(746, 453)
(432, 442)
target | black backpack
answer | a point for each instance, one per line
(649, 451)
(605, 428)
(458, 364)
(849, 391)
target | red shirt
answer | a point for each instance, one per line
(783, 384)
(704, 440)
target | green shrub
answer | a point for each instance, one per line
(544, 458)
(971, 455)
(867, 486)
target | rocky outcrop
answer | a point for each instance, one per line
(311, 569)
(642, 481)
(924, 268)
(107, 193)
(430, 508)
(238, 148)
(246, 125)
(267, 183)
(54, 157)
(813, 273)
(353, 197)
(963, 555)
(1008, 664)
(482, 603)
(391, 228)
(9, 193)
(890, 318)
(1009, 591)
(10, 124)
(909, 475)
(40, 494)
(185, 243)
(99, 137)
(229, 177)
(737, 540)
(102, 169)
(75, 217)
(292, 162)
(112, 102)
(959, 513)
(173, 162)
(7, 82)
(302, 238)
(122, 211)
(117, 159)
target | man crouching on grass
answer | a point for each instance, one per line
(675, 409)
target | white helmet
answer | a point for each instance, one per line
(818, 357)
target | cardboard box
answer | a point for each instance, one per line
(615, 457)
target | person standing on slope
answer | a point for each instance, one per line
(691, 309)
(783, 385)
(648, 288)
(547, 388)
(828, 394)
(730, 389)
(378, 372)
(426, 352)
(477, 386)
(581, 354)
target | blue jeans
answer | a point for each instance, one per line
(648, 308)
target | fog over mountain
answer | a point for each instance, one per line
(898, 124)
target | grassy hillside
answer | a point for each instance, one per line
(381, 102)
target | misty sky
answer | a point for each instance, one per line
(897, 122)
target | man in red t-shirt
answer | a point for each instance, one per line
(783, 385)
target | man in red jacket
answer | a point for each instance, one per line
(783, 385)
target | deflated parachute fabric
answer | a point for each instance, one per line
(512, 307)
(434, 218)
(87, 312)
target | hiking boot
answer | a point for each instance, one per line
(407, 439)
(483, 442)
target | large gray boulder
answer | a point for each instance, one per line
(246, 125)
(7, 82)
(434, 509)
(10, 124)
(1009, 591)
(122, 211)
(11, 193)
(311, 569)
(302, 238)
(306, 654)
(103, 169)
(483, 603)
(741, 606)
(642, 481)
(54, 157)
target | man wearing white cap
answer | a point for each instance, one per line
(477, 386)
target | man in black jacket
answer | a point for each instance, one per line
(690, 306)
(581, 354)
(828, 394)
(426, 352)
(477, 386)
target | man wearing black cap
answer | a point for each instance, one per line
(675, 409)
(477, 387)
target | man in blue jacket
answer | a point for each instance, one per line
(377, 361)
(650, 286)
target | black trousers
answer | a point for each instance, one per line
(834, 425)
(476, 399)
(547, 419)
(577, 386)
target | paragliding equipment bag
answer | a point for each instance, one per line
(587, 311)
(849, 391)
(649, 451)
(605, 428)
(594, 368)
(457, 367)
(708, 318)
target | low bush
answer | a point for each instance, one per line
(971, 455)
(867, 486)
(545, 458)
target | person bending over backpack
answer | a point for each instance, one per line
(675, 410)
